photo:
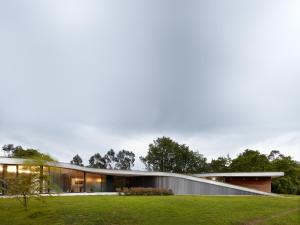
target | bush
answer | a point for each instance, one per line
(144, 191)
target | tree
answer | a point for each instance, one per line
(77, 160)
(110, 159)
(250, 161)
(8, 149)
(30, 153)
(290, 183)
(97, 161)
(124, 160)
(28, 183)
(168, 156)
(220, 165)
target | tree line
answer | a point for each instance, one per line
(166, 155)
(123, 160)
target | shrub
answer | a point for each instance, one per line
(144, 191)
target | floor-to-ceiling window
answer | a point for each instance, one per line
(95, 182)
(72, 180)
(54, 179)
(59, 179)
(66, 180)
(11, 171)
(1, 171)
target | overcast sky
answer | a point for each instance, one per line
(86, 76)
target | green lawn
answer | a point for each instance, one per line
(152, 210)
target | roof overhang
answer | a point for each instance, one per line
(243, 174)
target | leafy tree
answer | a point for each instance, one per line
(290, 183)
(220, 165)
(77, 160)
(110, 159)
(97, 161)
(19, 152)
(250, 161)
(167, 155)
(27, 184)
(124, 160)
(8, 149)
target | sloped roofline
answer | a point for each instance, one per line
(18, 161)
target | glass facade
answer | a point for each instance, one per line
(59, 179)
(11, 171)
(72, 180)
(94, 182)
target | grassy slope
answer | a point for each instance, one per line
(150, 210)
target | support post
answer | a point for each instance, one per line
(84, 181)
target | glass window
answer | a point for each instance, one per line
(94, 182)
(1, 171)
(66, 180)
(46, 179)
(11, 171)
(72, 180)
(25, 169)
(55, 181)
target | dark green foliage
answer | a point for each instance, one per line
(290, 183)
(124, 160)
(168, 156)
(219, 165)
(110, 159)
(97, 161)
(8, 149)
(250, 161)
(77, 160)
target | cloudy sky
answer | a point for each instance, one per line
(84, 76)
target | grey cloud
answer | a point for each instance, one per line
(138, 68)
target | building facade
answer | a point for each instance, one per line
(75, 179)
(261, 181)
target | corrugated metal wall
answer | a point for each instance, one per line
(184, 186)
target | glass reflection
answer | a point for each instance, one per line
(93, 182)
(11, 171)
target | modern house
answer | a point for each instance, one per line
(72, 178)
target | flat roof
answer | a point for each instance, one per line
(241, 174)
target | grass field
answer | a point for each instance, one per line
(153, 210)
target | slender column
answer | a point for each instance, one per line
(4, 177)
(84, 181)
(48, 179)
(17, 170)
(41, 179)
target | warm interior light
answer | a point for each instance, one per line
(11, 169)
(98, 180)
(25, 169)
(1, 168)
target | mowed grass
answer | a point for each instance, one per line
(151, 210)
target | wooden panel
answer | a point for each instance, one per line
(258, 183)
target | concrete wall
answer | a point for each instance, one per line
(183, 186)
